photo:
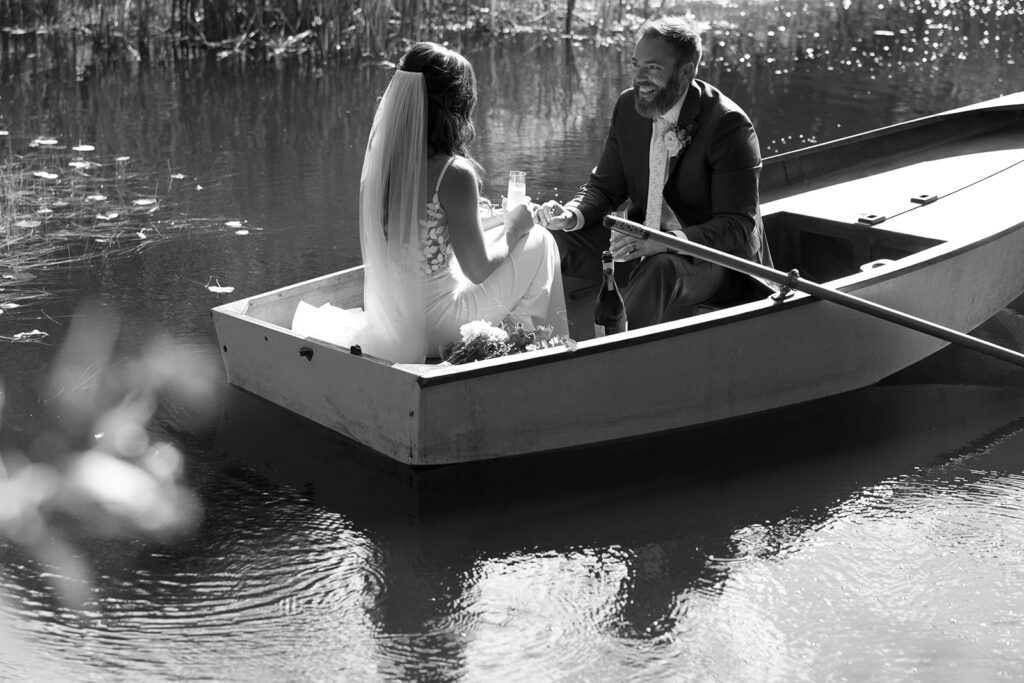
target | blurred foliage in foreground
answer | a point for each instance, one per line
(96, 472)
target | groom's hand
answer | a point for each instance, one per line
(554, 216)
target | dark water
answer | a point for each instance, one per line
(875, 536)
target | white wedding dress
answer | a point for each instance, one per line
(415, 296)
(526, 288)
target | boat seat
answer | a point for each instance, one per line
(742, 290)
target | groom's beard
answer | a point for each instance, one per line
(667, 96)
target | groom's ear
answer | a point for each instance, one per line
(688, 70)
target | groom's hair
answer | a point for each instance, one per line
(680, 33)
(451, 96)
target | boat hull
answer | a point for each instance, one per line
(714, 367)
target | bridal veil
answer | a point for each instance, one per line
(392, 200)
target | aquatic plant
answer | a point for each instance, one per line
(325, 30)
(64, 205)
(319, 28)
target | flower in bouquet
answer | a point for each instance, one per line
(541, 337)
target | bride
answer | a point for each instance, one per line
(433, 263)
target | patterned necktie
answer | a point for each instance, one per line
(656, 184)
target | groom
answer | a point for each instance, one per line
(687, 159)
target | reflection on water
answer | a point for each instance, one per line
(876, 505)
(846, 546)
(879, 526)
(874, 535)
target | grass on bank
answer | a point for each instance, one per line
(322, 29)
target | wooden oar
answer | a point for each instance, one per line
(793, 280)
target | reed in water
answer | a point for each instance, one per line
(323, 29)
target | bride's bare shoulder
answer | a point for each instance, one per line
(460, 174)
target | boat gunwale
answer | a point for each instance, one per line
(428, 375)
(726, 316)
(1015, 104)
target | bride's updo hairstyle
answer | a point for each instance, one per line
(451, 96)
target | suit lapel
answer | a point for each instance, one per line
(687, 115)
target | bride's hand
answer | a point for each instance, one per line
(527, 201)
(518, 222)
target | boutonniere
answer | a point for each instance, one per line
(678, 139)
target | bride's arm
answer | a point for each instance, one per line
(478, 257)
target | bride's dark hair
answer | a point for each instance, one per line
(451, 96)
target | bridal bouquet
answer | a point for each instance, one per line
(482, 340)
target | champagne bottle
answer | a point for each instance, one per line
(609, 311)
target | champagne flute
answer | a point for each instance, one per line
(516, 194)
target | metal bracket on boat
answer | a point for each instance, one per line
(878, 263)
(871, 218)
(306, 352)
(786, 291)
(923, 199)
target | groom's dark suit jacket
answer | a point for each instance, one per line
(711, 185)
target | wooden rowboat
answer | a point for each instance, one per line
(923, 217)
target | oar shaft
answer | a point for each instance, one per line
(794, 281)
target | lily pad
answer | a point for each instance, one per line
(218, 288)
(25, 337)
(17, 276)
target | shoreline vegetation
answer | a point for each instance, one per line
(320, 30)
